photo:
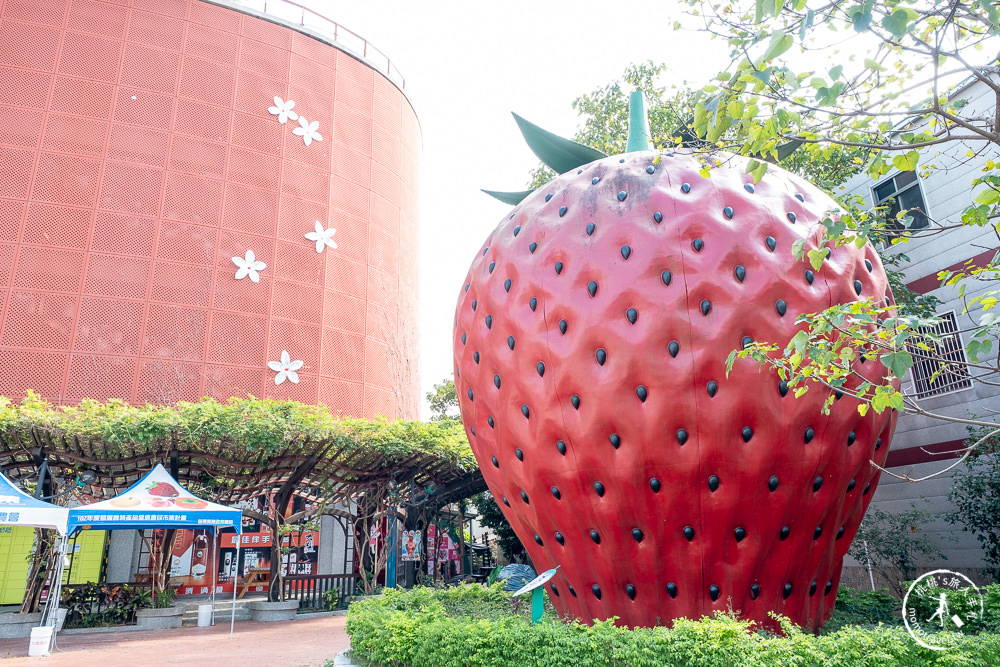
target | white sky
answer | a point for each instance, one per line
(467, 66)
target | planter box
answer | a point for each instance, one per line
(13, 626)
(160, 619)
(273, 611)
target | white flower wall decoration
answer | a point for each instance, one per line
(283, 110)
(322, 237)
(308, 131)
(249, 266)
(285, 368)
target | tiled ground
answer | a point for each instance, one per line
(309, 641)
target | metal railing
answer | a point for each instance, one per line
(313, 22)
(309, 589)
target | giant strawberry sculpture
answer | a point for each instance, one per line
(591, 340)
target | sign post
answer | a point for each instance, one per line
(537, 594)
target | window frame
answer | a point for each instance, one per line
(889, 233)
(961, 383)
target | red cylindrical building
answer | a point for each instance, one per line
(142, 149)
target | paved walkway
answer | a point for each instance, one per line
(309, 641)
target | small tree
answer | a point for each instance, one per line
(975, 493)
(894, 541)
(493, 518)
(443, 401)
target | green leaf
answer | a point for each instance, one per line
(861, 18)
(907, 161)
(897, 362)
(896, 23)
(836, 72)
(555, 152)
(987, 197)
(780, 42)
(874, 65)
(511, 198)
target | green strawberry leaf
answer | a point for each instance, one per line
(555, 152)
(511, 198)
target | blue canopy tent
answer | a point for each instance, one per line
(158, 501)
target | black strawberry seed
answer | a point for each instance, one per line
(772, 483)
(489, 420)
(561, 446)
(599, 489)
(524, 497)
(562, 211)
(467, 286)
(748, 188)
(810, 276)
(506, 285)
(496, 464)
(868, 265)
(475, 357)
(672, 589)
(706, 307)
(654, 485)
(571, 591)
(657, 217)
(698, 245)
(650, 169)
(533, 303)
(493, 265)
(878, 444)
(809, 435)
(556, 494)
(562, 327)
(817, 532)
(592, 288)
(798, 195)
(632, 315)
(532, 246)
(489, 321)
(555, 591)
(712, 388)
(783, 535)
(616, 442)
(590, 229)
(630, 591)
(524, 411)
(596, 591)
(791, 217)
(474, 304)
(754, 591)
(486, 250)
(858, 287)
(745, 342)
(688, 533)
(786, 591)
(781, 307)
(713, 483)
(496, 381)
(595, 537)
(713, 591)
(559, 538)
(741, 272)
(559, 268)
(602, 356)
(665, 277)
(540, 367)
(817, 484)
(747, 433)
(463, 339)
(840, 533)
(868, 487)
(686, 188)
(517, 230)
(548, 196)
(519, 454)
(637, 535)
(640, 391)
(812, 589)
(771, 243)
(682, 436)
(739, 534)
(851, 485)
(575, 401)
(673, 348)
(595, 181)
(783, 388)
(626, 252)
(510, 342)
(622, 195)
(728, 212)
(538, 540)
(828, 588)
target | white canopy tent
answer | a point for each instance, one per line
(158, 501)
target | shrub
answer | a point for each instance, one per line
(478, 627)
(864, 608)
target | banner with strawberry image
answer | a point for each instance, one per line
(155, 501)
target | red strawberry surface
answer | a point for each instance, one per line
(590, 360)
(163, 489)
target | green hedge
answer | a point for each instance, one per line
(477, 626)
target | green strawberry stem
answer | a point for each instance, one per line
(638, 124)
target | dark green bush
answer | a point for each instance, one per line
(477, 627)
(967, 607)
(864, 608)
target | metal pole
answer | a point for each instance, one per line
(868, 562)
(215, 570)
(236, 581)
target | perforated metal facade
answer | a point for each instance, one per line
(138, 156)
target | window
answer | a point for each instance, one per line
(902, 193)
(941, 369)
